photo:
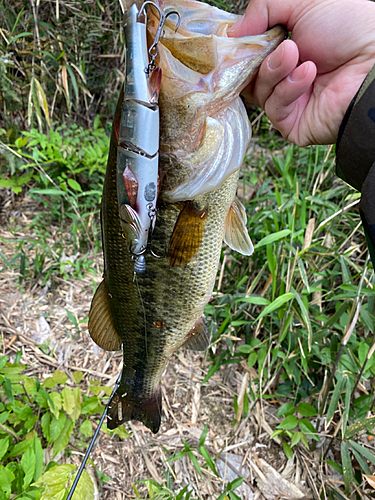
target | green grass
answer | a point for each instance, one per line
(301, 308)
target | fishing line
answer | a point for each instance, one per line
(85, 458)
(144, 315)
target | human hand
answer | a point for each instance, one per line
(307, 83)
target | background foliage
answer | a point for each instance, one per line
(299, 313)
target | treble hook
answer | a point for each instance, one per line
(153, 50)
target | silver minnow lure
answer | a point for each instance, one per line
(138, 134)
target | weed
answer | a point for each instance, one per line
(304, 305)
(37, 416)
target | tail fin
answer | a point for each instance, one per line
(126, 406)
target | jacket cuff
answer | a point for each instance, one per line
(355, 153)
(355, 148)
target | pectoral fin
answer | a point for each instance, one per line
(198, 337)
(187, 235)
(101, 327)
(236, 235)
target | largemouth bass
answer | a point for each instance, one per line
(204, 133)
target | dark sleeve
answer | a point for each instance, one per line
(355, 153)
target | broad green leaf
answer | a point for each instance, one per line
(288, 451)
(236, 483)
(45, 423)
(348, 394)
(56, 405)
(208, 459)
(240, 322)
(252, 359)
(8, 390)
(24, 34)
(245, 348)
(35, 102)
(72, 318)
(365, 452)
(203, 435)
(334, 400)
(286, 409)
(305, 317)
(42, 100)
(121, 432)
(296, 438)
(91, 405)
(346, 466)
(74, 185)
(47, 192)
(58, 377)
(6, 479)
(362, 462)
(20, 447)
(57, 425)
(276, 433)
(28, 462)
(302, 271)
(363, 349)
(271, 238)
(307, 428)
(4, 444)
(30, 385)
(72, 402)
(359, 426)
(86, 428)
(78, 376)
(276, 304)
(254, 299)
(39, 458)
(335, 466)
(289, 422)
(195, 462)
(306, 410)
(63, 439)
(55, 482)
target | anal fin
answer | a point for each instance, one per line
(198, 339)
(101, 327)
(236, 235)
(125, 406)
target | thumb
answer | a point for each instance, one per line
(261, 15)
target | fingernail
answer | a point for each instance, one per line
(299, 73)
(236, 25)
(276, 58)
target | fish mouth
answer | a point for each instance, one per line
(201, 42)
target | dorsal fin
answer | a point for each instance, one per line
(101, 327)
(236, 235)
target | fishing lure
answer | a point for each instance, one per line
(137, 133)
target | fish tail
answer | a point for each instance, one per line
(126, 406)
